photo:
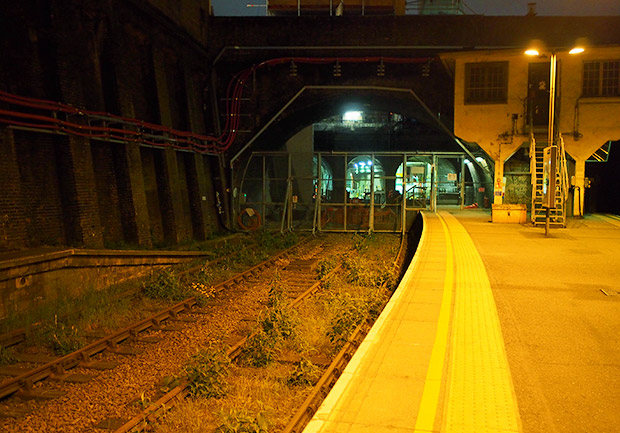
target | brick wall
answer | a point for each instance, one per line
(120, 57)
(38, 173)
(149, 171)
(106, 181)
(12, 216)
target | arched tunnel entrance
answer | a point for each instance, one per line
(354, 160)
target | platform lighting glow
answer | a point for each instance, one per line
(362, 164)
(577, 50)
(353, 116)
(369, 163)
(532, 52)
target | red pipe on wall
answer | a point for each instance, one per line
(138, 131)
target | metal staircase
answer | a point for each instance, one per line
(557, 216)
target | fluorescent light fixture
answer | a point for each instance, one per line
(577, 50)
(532, 52)
(353, 116)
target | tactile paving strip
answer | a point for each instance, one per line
(480, 395)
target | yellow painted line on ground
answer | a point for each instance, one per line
(425, 420)
(480, 395)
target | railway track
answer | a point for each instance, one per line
(32, 383)
(297, 274)
(144, 420)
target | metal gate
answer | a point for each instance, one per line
(348, 192)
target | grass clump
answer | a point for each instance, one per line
(207, 373)
(324, 267)
(305, 373)
(165, 284)
(364, 273)
(276, 326)
(6, 356)
(241, 421)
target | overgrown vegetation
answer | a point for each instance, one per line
(165, 284)
(325, 266)
(265, 387)
(276, 325)
(305, 373)
(6, 356)
(207, 373)
(242, 421)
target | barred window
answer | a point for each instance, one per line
(486, 83)
(601, 78)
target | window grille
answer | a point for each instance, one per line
(601, 78)
(486, 83)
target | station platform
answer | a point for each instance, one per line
(493, 328)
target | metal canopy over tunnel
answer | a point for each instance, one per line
(352, 192)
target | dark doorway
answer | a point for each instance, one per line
(538, 94)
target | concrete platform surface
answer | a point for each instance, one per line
(494, 328)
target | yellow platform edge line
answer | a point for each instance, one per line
(323, 417)
(487, 403)
(427, 412)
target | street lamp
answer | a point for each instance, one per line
(533, 51)
(550, 151)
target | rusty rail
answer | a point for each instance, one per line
(141, 421)
(58, 366)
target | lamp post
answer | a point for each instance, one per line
(552, 168)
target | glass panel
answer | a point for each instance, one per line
(254, 168)
(276, 166)
(273, 217)
(417, 181)
(303, 215)
(387, 217)
(359, 178)
(448, 181)
(303, 191)
(333, 178)
(358, 216)
(332, 217)
(276, 191)
(251, 191)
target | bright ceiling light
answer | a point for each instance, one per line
(353, 116)
(577, 50)
(532, 52)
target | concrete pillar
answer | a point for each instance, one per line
(579, 191)
(12, 216)
(498, 182)
(300, 146)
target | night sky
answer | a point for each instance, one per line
(484, 7)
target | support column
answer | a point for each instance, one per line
(79, 193)
(201, 198)
(12, 216)
(579, 191)
(171, 200)
(498, 182)
(132, 196)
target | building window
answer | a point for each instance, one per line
(601, 78)
(486, 83)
